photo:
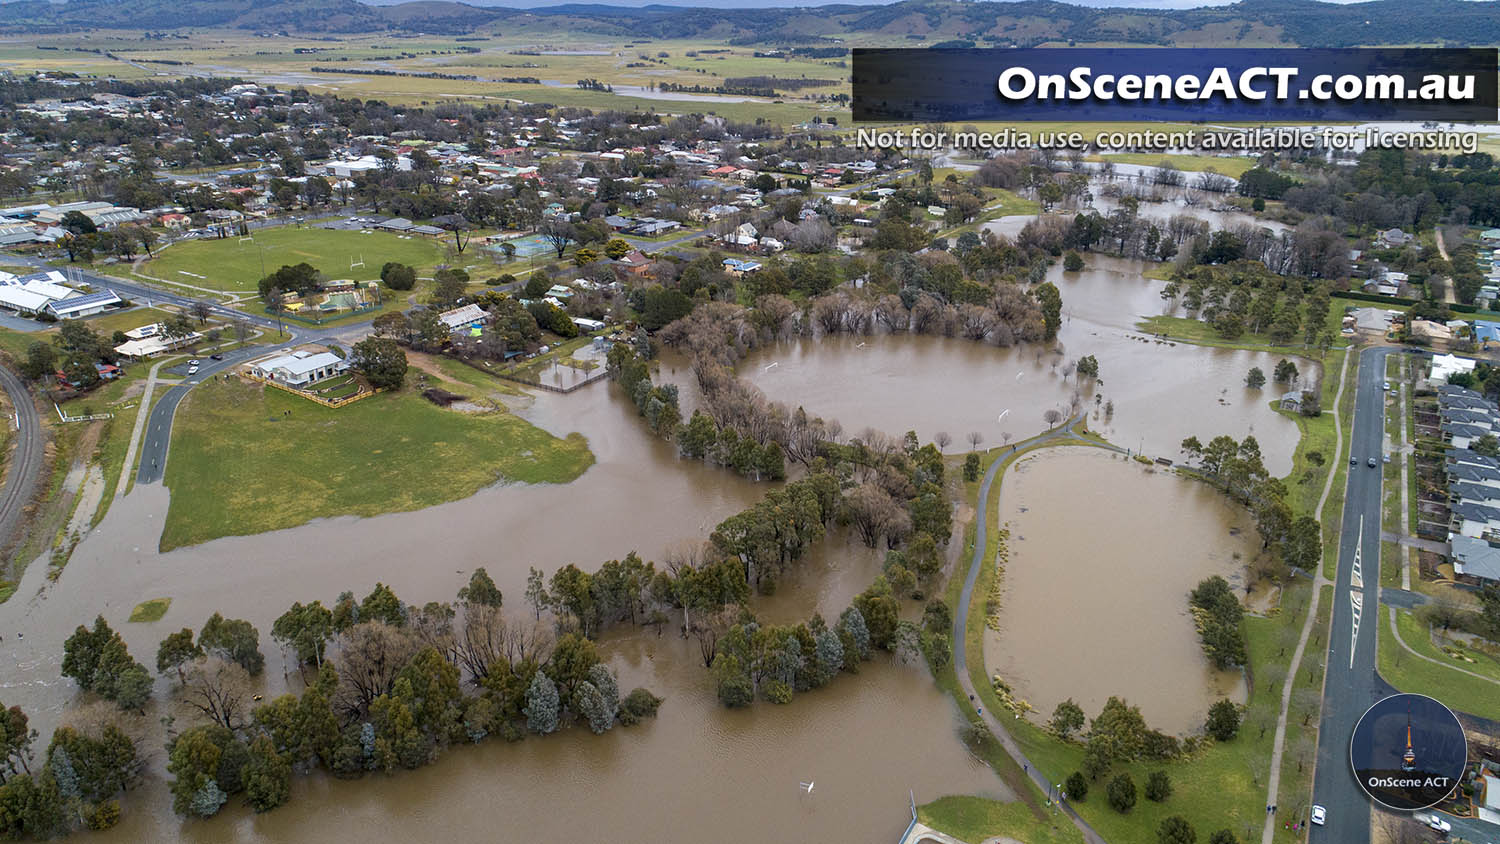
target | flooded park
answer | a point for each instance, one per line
(700, 771)
(1124, 581)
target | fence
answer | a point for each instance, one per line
(339, 402)
(89, 418)
(597, 375)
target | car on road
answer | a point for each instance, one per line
(1372, 463)
(216, 356)
(194, 362)
(1319, 815)
(192, 370)
(1354, 461)
(1437, 823)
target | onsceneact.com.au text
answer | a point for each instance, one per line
(1019, 84)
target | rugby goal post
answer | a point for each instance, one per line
(357, 263)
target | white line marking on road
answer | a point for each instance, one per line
(1357, 604)
(1356, 572)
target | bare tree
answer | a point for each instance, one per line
(370, 655)
(1052, 417)
(974, 438)
(219, 690)
(942, 440)
(202, 310)
(873, 512)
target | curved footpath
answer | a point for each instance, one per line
(1278, 743)
(26, 465)
(961, 617)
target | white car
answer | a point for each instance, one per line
(1438, 824)
(192, 370)
(1319, 815)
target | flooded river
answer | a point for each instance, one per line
(1103, 553)
(697, 772)
(931, 384)
(700, 772)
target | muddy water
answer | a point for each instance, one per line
(1161, 392)
(1119, 546)
(697, 772)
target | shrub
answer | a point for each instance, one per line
(1121, 793)
(1077, 786)
(1158, 786)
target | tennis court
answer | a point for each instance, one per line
(529, 246)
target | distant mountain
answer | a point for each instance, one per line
(332, 16)
(1249, 22)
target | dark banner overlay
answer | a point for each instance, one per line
(1129, 84)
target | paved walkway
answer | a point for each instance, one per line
(1412, 542)
(960, 621)
(1408, 648)
(1278, 743)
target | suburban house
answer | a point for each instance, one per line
(150, 340)
(634, 262)
(1490, 237)
(299, 369)
(1476, 558)
(1393, 238)
(468, 316)
(736, 267)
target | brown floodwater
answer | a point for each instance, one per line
(697, 772)
(1162, 392)
(1103, 553)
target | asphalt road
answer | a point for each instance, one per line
(1350, 683)
(158, 432)
(26, 465)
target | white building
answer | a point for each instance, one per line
(299, 369)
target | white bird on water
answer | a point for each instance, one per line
(772, 366)
(806, 786)
(1019, 374)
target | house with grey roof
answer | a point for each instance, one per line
(1476, 558)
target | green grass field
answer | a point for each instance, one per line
(976, 819)
(1232, 167)
(1409, 674)
(231, 266)
(152, 610)
(363, 459)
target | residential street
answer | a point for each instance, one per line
(1350, 683)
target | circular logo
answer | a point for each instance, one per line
(1408, 752)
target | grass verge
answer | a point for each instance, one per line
(152, 610)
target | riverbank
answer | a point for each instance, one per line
(295, 460)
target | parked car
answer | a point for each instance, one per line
(1387, 458)
(192, 370)
(1353, 461)
(1386, 385)
(194, 362)
(1319, 815)
(216, 356)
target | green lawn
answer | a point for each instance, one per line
(1409, 674)
(151, 610)
(975, 819)
(1232, 167)
(239, 465)
(235, 267)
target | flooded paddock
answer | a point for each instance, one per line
(1103, 553)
